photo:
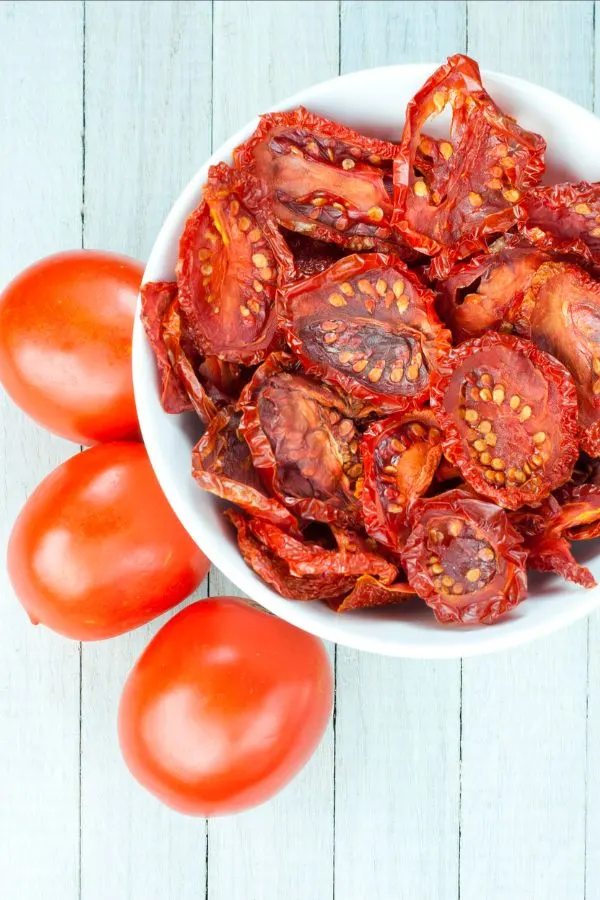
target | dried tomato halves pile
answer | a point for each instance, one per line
(394, 349)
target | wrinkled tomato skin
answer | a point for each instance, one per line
(66, 325)
(157, 298)
(446, 208)
(305, 459)
(369, 326)
(368, 593)
(322, 179)
(535, 448)
(97, 551)
(431, 554)
(224, 707)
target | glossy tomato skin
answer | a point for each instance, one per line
(97, 550)
(66, 324)
(224, 707)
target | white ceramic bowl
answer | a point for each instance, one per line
(373, 101)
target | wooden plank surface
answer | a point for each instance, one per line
(524, 712)
(40, 119)
(411, 796)
(397, 770)
(283, 849)
(137, 159)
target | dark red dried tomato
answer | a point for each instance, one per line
(230, 262)
(303, 441)
(368, 325)
(311, 257)
(561, 314)
(563, 217)
(475, 178)
(210, 383)
(509, 415)
(579, 516)
(464, 558)
(485, 293)
(368, 593)
(276, 573)
(400, 457)
(322, 179)
(354, 555)
(586, 471)
(222, 464)
(157, 298)
(446, 471)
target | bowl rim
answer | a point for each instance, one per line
(327, 629)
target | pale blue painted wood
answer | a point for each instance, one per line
(524, 713)
(40, 191)
(148, 106)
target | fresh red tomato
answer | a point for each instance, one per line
(65, 344)
(97, 550)
(224, 707)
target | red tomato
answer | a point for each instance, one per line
(65, 344)
(224, 707)
(97, 550)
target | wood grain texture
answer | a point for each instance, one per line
(40, 186)
(263, 52)
(524, 716)
(397, 723)
(148, 97)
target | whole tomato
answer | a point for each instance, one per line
(224, 707)
(65, 344)
(97, 550)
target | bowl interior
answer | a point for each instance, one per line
(372, 101)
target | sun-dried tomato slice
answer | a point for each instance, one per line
(310, 256)
(368, 593)
(157, 298)
(222, 464)
(303, 441)
(563, 217)
(230, 262)
(400, 457)
(210, 383)
(354, 555)
(464, 558)
(276, 573)
(475, 177)
(485, 293)
(368, 325)
(509, 415)
(561, 314)
(322, 179)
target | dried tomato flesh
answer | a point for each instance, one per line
(303, 441)
(464, 558)
(368, 325)
(368, 593)
(509, 415)
(579, 516)
(473, 184)
(563, 217)
(354, 555)
(400, 457)
(222, 464)
(310, 256)
(230, 262)
(157, 299)
(322, 179)
(561, 314)
(486, 292)
(275, 572)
